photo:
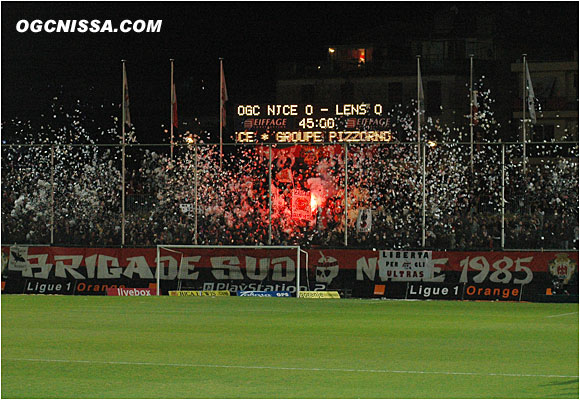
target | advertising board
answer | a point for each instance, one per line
(434, 291)
(492, 292)
(210, 293)
(319, 295)
(39, 286)
(130, 292)
(251, 293)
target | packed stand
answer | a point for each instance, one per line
(463, 210)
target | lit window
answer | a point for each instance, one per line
(361, 56)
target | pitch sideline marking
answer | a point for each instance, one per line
(561, 315)
(387, 371)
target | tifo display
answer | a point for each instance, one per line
(291, 272)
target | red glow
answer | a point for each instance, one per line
(361, 56)
(313, 203)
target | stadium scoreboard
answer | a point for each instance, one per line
(307, 123)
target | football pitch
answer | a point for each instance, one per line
(238, 347)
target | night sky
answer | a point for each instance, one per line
(251, 37)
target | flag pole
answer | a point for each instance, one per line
(345, 194)
(221, 110)
(471, 108)
(524, 111)
(423, 224)
(171, 111)
(269, 194)
(502, 196)
(195, 193)
(123, 116)
(52, 194)
(419, 106)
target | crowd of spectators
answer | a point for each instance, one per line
(462, 209)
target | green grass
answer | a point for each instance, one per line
(186, 347)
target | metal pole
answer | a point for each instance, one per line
(524, 110)
(195, 194)
(123, 197)
(270, 194)
(123, 161)
(503, 196)
(419, 106)
(345, 194)
(52, 194)
(298, 272)
(471, 108)
(157, 272)
(221, 110)
(423, 185)
(171, 111)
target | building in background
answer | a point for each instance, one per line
(555, 86)
(379, 65)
